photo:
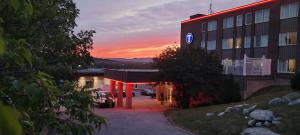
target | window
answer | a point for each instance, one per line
(247, 42)
(262, 16)
(248, 19)
(238, 42)
(89, 84)
(227, 43)
(289, 10)
(204, 27)
(261, 41)
(228, 22)
(212, 26)
(202, 44)
(211, 45)
(239, 20)
(289, 38)
(286, 66)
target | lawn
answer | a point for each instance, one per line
(196, 121)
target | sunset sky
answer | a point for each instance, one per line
(140, 28)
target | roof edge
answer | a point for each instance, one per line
(229, 10)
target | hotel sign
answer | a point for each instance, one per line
(189, 38)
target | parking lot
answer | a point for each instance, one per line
(145, 118)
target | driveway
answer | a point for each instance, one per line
(146, 118)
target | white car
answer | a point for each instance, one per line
(104, 99)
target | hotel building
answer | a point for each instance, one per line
(266, 30)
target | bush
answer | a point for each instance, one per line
(191, 70)
(295, 81)
(231, 90)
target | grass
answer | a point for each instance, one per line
(196, 121)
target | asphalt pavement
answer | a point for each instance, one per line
(145, 118)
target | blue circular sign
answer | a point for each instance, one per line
(189, 38)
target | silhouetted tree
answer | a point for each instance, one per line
(195, 72)
(39, 54)
(191, 70)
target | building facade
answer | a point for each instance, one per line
(267, 29)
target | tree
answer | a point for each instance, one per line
(196, 74)
(191, 70)
(39, 54)
(230, 90)
(295, 81)
(9, 116)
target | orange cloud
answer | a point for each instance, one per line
(133, 52)
(134, 47)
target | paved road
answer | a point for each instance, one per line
(146, 118)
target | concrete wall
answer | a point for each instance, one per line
(250, 85)
(253, 86)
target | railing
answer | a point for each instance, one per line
(248, 66)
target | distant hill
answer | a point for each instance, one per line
(122, 63)
(140, 60)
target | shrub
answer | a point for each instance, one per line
(295, 81)
(231, 90)
(191, 70)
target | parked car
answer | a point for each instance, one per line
(124, 93)
(104, 99)
(147, 92)
(153, 95)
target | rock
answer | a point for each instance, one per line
(251, 123)
(294, 102)
(228, 109)
(210, 114)
(277, 101)
(236, 108)
(275, 122)
(277, 118)
(258, 131)
(249, 110)
(263, 115)
(258, 124)
(292, 96)
(241, 106)
(233, 109)
(267, 123)
(221, 114)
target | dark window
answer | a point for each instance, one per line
(204, 27)
(248, 19)
(89, 84)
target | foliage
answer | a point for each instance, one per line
(10, 117)
(231, 90)
(191, 70)
(39, 54)
(295, 81)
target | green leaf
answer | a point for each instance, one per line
(2, 45)
(27, 55)
(9, 121)
(25, 52)
(14, 4)
(1, 19)
(28, 7)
